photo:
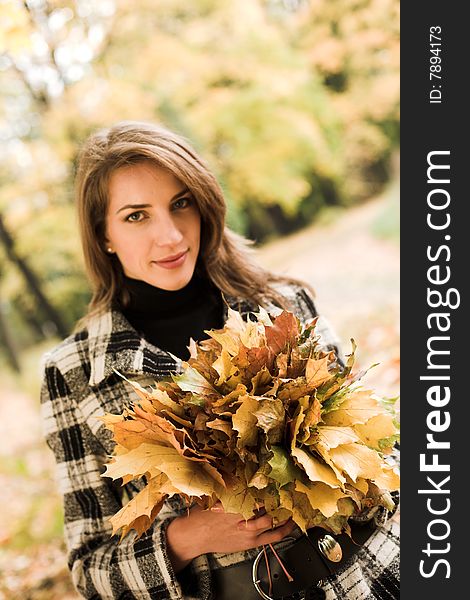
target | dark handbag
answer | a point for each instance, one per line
(304, 560)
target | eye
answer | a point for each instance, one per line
(131, 218)
(181, 203)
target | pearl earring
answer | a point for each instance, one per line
(110, 250)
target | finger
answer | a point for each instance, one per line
(281, 523)
(260, 524)
(277, 534)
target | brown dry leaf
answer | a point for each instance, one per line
(357, 461)
(279, 514)
(161, 400)
(281, 364)
(316, 372)
(297, 363)
(315, 470)
(312, 417)
(192, 347)
(283, 332)
(251, 360)
(130, 434)
(262, 380)
(125, 517)
(222, 403)
(357, 407)
(244, 421)
(313, 414)
(270, 415)
(135, 462)
(321, 497)
(292, 390)
(220, 425)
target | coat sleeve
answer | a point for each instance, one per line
(102, 568)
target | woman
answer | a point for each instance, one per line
(163, 267)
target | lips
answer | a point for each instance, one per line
(171, 258)
(172, 262)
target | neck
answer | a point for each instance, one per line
(169, 319)
(146, 298)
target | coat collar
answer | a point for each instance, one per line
(115, 344)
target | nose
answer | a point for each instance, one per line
(167, 233)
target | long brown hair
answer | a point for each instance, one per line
(225, 257)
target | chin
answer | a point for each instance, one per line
(173, 284)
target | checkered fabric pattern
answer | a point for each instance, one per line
(79, 385)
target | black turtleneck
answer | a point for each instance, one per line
(168, 319)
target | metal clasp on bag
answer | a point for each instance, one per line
(330, 548)
(256, 581)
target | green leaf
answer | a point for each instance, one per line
(192, 381)
(283, 469)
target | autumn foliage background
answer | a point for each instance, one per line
(295, 105)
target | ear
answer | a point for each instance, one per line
(106, 243)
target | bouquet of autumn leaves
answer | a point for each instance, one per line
(261, 416)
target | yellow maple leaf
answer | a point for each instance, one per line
(324, 452)
(321, 496)
(388, 479)
(224, 367)
(357, 461)
(315, 470)
(142, 509)
(188, 476)
(238, 499)
(336, 436)
(375, 429)
(299, 505)
(298, 419)
(244, 421)
(316, 371)
(358, 407)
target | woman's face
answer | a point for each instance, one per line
(153, 225)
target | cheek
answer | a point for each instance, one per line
(196, 227)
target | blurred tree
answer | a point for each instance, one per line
(32, 282)
(6, 339)
(355, 48)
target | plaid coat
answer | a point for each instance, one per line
(78, 386)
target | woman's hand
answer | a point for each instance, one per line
(215, 530)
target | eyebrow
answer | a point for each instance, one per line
(180, 193)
